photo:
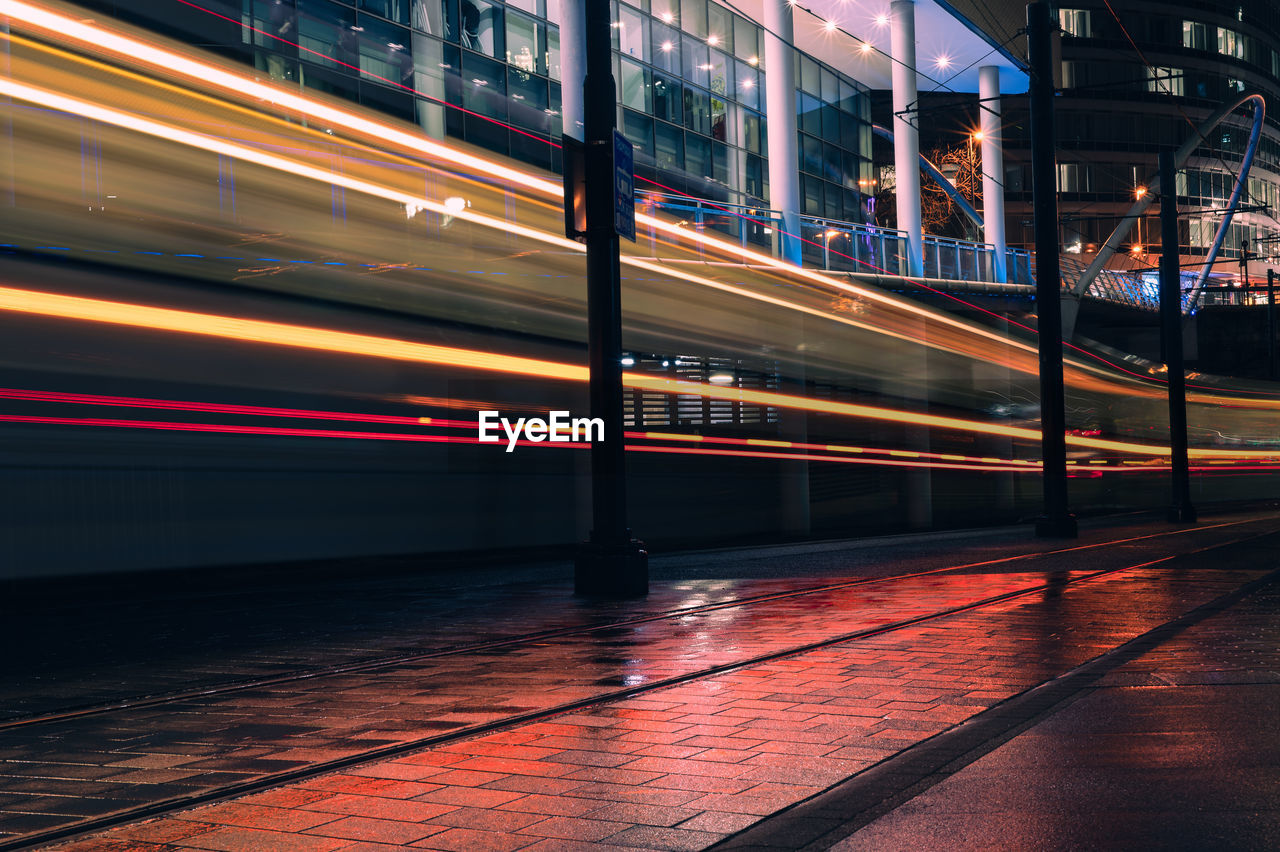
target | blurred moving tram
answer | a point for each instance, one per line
(245, 323)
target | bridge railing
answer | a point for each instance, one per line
(839, 246)
(848, 247)
(751, 227)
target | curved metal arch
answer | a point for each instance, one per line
(1122, 230)
(939, 178)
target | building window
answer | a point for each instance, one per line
(1074, 177)
(1195, 35)
(1075, 22)
(1165, 81)
(1231, 43)
(1075, 74)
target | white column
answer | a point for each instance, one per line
(992, 167)
(906, 133)
(780, 108)
(573, 66)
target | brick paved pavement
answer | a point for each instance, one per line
(1176, 749)
(688, 765)
(62, 773)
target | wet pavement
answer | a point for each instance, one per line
(689, 719)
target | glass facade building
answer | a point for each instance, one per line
(1136, 80)
(690, 77)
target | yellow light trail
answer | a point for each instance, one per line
(102, 39)
(97, 38)
(107, 115)
(65, 27)
(132, 49)
(322, 339)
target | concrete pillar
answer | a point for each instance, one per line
(780, 108)
(573, 66)
(906, 133)
(992, 167)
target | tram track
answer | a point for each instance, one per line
(275, 779)
(387, 661)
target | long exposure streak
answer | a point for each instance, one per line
(283, 334)
(132, 49)
(170, 62)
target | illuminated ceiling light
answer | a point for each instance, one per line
(713, 40)
(882, 19)
(667, 17)
(755, 60)
(666, 47)
(720, 378)
(1140, 191)
(628, 361)
(1137, 248)
(943, 61)
(829, 26)
(977, 136)
(748, 84)
(866, 47)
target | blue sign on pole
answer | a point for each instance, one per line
(624, 188)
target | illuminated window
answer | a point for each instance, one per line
(1231, 43)
(1195, 35)
(1074, 177)
(1075, 22)
(1165, 81)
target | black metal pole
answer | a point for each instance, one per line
(1271, 324)
(1181, 511)
(611, 563)
(1057, 521)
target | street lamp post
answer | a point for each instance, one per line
(1057, 521)
(1180, 511)
(611, 563)
(1271, 324)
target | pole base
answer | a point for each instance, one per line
(1057, 526)
(618, 570)
(1183, 513)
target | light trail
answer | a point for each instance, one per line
(105, 401)
(65, 27)
(345, 434)
(56, 101)
(132, 49)
(135, 50)
(283, 334)
(320, 339)
(201, 141)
